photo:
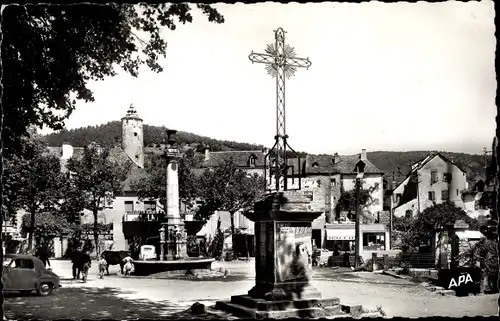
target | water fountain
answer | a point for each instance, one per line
(173, 233)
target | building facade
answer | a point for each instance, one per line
(432, 180)
(325, 178)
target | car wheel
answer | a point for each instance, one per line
(26, 292)
(44, 289)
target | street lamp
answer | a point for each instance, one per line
(359, 178)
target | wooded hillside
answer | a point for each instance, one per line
(389, 162)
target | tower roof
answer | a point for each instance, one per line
(132, 113)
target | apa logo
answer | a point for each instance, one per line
(461, 279)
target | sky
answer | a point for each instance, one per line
(384, 76)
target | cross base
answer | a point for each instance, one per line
(248, 306)
(285, 291)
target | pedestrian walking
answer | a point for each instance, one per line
(43, 255)
(76, 259)
(103, 264)
(128, 265)
(87, 262)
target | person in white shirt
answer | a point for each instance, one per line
(128, 265)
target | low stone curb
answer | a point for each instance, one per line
(404, 277)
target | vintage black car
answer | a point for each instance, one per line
(26, 273)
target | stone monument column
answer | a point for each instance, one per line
(283, 262)
(176, 245)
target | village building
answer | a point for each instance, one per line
(432, 180)
(126, 206)
(324, 178)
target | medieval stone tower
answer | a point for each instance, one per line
(132, 137)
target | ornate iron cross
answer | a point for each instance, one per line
(281, 63)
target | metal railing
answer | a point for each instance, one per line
(143, 216)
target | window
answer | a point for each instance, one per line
(434, 177)
(252, 161)
(333, 182)
(457, 191)
(444, 195)
(432, 196)
(373, 241)
(135, 134)
(129, 206)
(150, 206)
(23, 264)
(447, 177)
(408, 213)
(319, 183)
(315, 165)
(476, 205)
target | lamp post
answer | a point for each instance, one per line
(359, 177)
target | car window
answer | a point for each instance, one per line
(23, 264)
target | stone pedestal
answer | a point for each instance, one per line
(176, 243)
(283, 262)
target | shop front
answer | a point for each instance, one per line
(340, 239)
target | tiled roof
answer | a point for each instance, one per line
(346, 164)
(421, 163)
(241, 158)
(134, 175)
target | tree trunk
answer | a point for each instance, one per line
(31, 231)
(96, 234)
(232, 233)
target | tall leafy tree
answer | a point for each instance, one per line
(36, 179)
(153, 185)
(98, 178)
(228, 188)
(424, 224)
(50, 52)
(347, 200)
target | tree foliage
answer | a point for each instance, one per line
(46, 224)
(347, 200)
(35, 182)
(111, 132)
(415, 229)
(51, 52)
(97, 178)
(228, 188)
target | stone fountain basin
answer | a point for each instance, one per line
(148, 267)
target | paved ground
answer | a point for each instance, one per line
(120, 298)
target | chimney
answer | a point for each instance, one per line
(67, 151)
(207, 153)
(363, 155)
(336, 158)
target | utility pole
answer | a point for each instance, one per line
(357, 230)
(391, 211)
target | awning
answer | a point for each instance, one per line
(340, 235)
(469, 235)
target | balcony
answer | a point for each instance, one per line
(143, 216)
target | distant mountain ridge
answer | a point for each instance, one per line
(397, 163)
